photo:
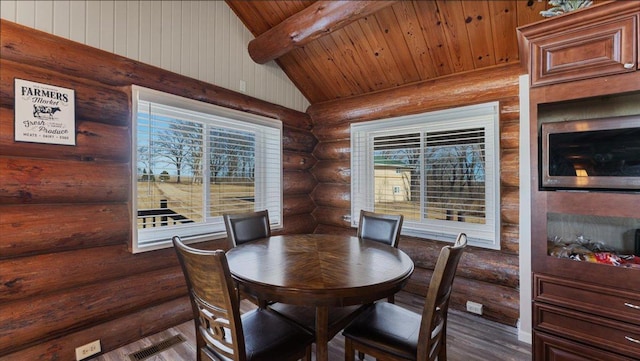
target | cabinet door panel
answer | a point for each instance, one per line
(608, 302)
(549, 347)
(600, 332)
(585, 52)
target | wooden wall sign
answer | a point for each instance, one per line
(44, 113)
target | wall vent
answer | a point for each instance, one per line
(156, 348)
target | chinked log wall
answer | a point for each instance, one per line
(484, 276)
(66, 275)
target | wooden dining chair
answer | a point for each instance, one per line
(390, 332)
(384, 228)
(246, 227)
(221, 332)
(380, 227)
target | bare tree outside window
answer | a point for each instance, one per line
(454, 174)
(232, 170)
(180, 145)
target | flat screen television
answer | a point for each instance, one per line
(588, 154)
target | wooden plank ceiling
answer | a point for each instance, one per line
(338, 49)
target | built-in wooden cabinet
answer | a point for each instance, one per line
(583, 66)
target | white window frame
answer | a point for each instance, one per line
(213, 227)
(362, 169)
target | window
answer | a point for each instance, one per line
(439, 169)
(195, 161)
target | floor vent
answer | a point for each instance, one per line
(147, 352)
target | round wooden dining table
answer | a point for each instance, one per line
(319, 270)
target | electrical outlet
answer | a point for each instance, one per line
(87, 350)
(243, 86)
(474, 307)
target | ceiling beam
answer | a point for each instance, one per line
(315, 21)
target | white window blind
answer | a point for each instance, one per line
(196, 161)
(439, 169)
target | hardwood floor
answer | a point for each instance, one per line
(469, 338)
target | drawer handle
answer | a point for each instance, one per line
(629, 65)
(632, 339)
(632, 305)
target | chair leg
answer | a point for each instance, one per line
(442, 355)
(307, 354)
(200, 344)
(348, 350)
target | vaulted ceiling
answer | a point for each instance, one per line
(338, 49)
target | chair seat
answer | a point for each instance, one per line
(305, 316)
(387, 327)
(268, 336)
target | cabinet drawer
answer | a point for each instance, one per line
(585, 52)
(603, 301)
(618, 337)
(549, 347)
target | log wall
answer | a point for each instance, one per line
(66, 275)
(485, 276)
